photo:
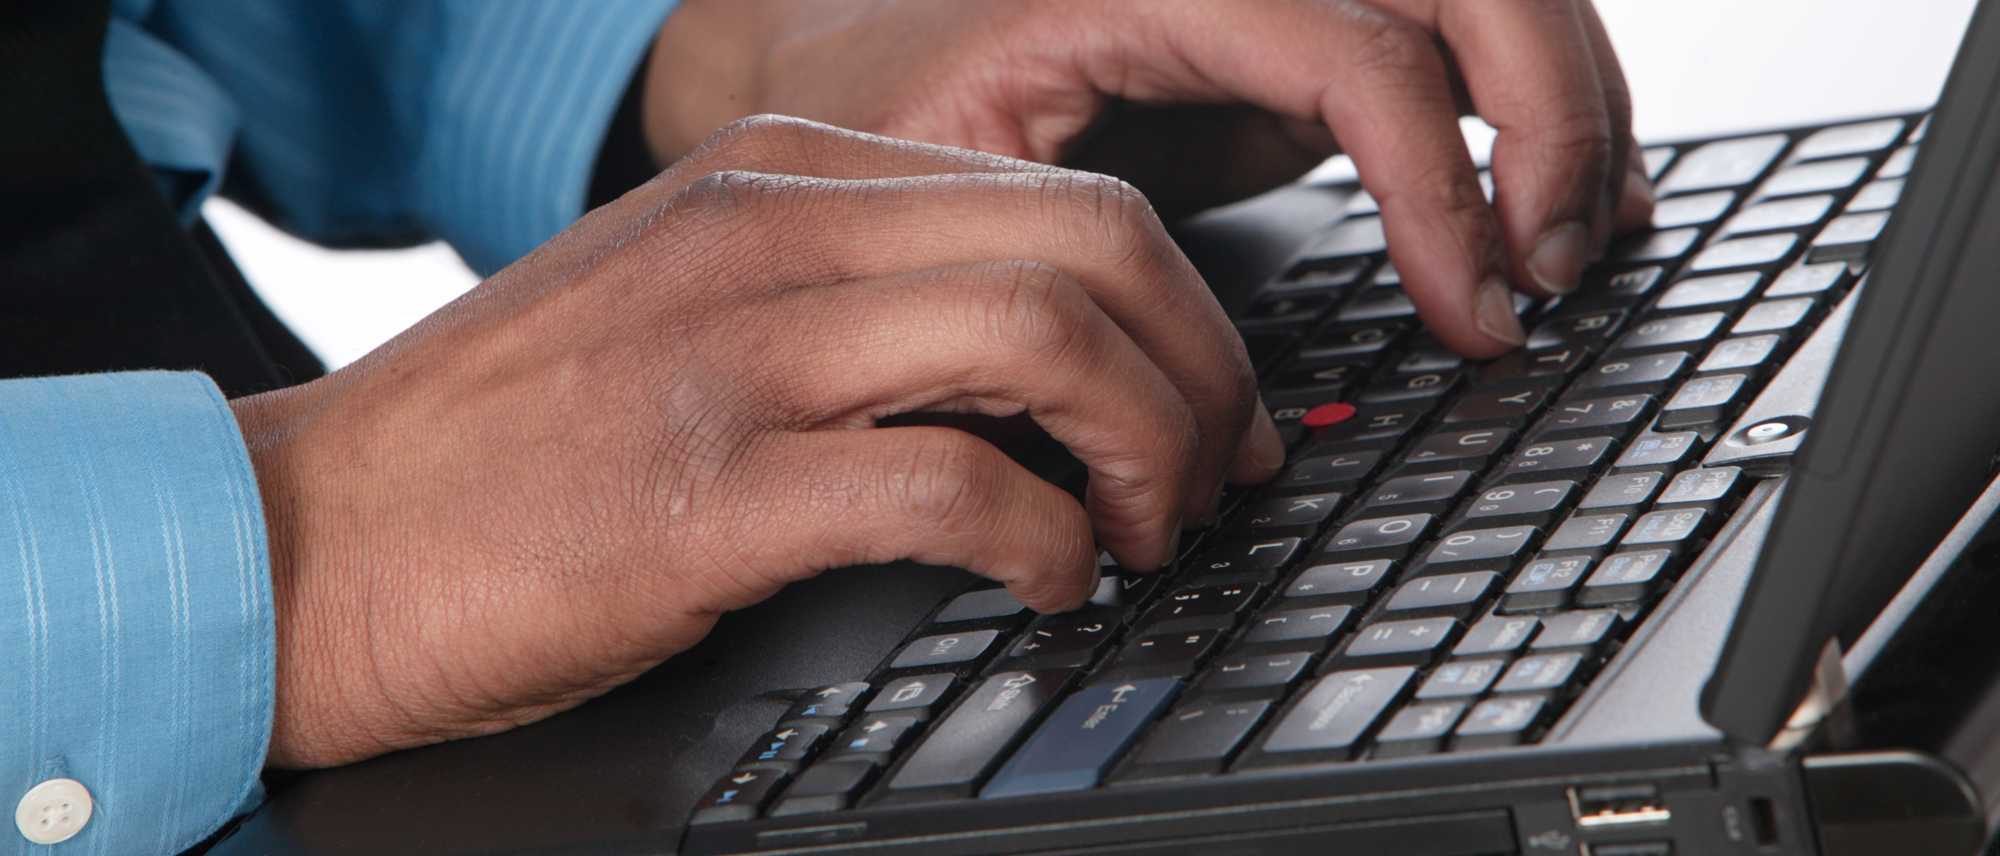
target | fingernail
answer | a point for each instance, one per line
(1267, 449)
(1493, 312)
(1638, 190)
(1558, 260)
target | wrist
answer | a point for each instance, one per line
(701, 74)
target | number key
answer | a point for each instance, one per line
(1532, 503)
(1559, 459)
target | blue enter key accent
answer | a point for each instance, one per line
(1083, 738)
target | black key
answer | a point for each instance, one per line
(1672, 331)
(1118, 592)
(1497, 547)
(1616, 415)
(1303, 305)
(1644, 373)
(1329, 380)
(1418, 729)
(1500, 722)
(1197, 607)
(1586, 628)
(1378, 537)
(1691, 210)
(785, 745)
(1261, 558)
(1808, 280)
(1549, 673)
(1714, 487)
(1745, 252)
(1082, 739)
(1780, 214)
(740, 795)
(1461, 678)
(834, 700)
(1659, 246)
(1674, 528)
(1197, 737)
(1667, 450)
(1355, 236)
(1705, 292)
(1267, 348)
(1407, 386)
(960, 751)
(1289, 406)
(1621, 490)
(1588, 330)
(1632, 576)
(1432, 492)
(1545, 583)
(1377, 303)
(1753, 353)
(1178, 650)
(1329, 472)
(1587, 531)
(1308, 627)
(918, 695)
(826, 786)
(1816, 177)
(1332, 717)
(873, 739)
(1533, 503)
(1254, 671)
(1573, 459)
(1725, 163)
(1377, 422)
(1448, 448)
(1067, 641)
(980, 605)
(1320, 275)
(1353, 340)
(1441, 594)
(1281, 516)
(1412, 642)
(1340, 578)
(945, 649)
(1428, 358)
(1788, 317)
(1506, 404)
(1498, 634)
(1518, 365)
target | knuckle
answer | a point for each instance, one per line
(948, 480)
(754, 139)
(1033, 308)
(1109, 217)
(1388, 47)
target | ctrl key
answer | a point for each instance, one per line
(826, 786)
(740, 795)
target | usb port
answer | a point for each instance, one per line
(1617, 806)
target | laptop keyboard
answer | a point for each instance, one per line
(1453, 551)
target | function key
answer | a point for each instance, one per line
(1330, 471)
(834, 701)
(1332, 717)
(1671, 331)
(1299, 516)
(1652, 451)
(785, 745)
(1745, 252)
(918, 695)
(1498, 634)
(1808, 279)
(1714, 487)
(1787, 317)
(1848, 238)
(1571, 459)
(1412, 642)
(826, 786)
(739, 795)
(1441, 594)
(1378, 537)
(1532, 503)
(945, 649)
(1505, 404)
(1586, 628)
(1754, 353)
(1418, 729)
(1082, 739)
(1461, 678)
(1500, 722)
(979, 605)
(1705, 400)
(1777, 214)
(1898, 163)
(1545, 583)
(1621, 490)
(960, 751)
(1434, 493)
(1550, 673)
(1260, 558)
(1197, 737)
(1642, 373)
(1676, 528)
(1854, 139)
(1587, 531)
(1632, 576)
(1314, 626)
(1339, 579)
(1691, 210)
(1815, 177)
(1880, 195)
(1725, 163)
(1707, 291)
(1496, 547)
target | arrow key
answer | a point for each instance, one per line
(738, 796)
(874, 738)
(834, 700)
(825, 786)
(785, 745)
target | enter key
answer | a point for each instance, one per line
(1083, 738)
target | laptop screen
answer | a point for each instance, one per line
(1907, 427)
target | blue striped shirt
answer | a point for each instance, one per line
(134, 580)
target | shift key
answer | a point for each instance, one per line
(968, 742)
(1334, 715)
(1083, 738)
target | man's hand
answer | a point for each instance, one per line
(1264, 88)
(671, 411)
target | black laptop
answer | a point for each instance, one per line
(1551, 604)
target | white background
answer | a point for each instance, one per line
(1696, 67)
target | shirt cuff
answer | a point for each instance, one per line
(508, 161)
(135, 584)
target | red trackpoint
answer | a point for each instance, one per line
(1327, 415)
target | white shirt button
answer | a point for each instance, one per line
(53, 811)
